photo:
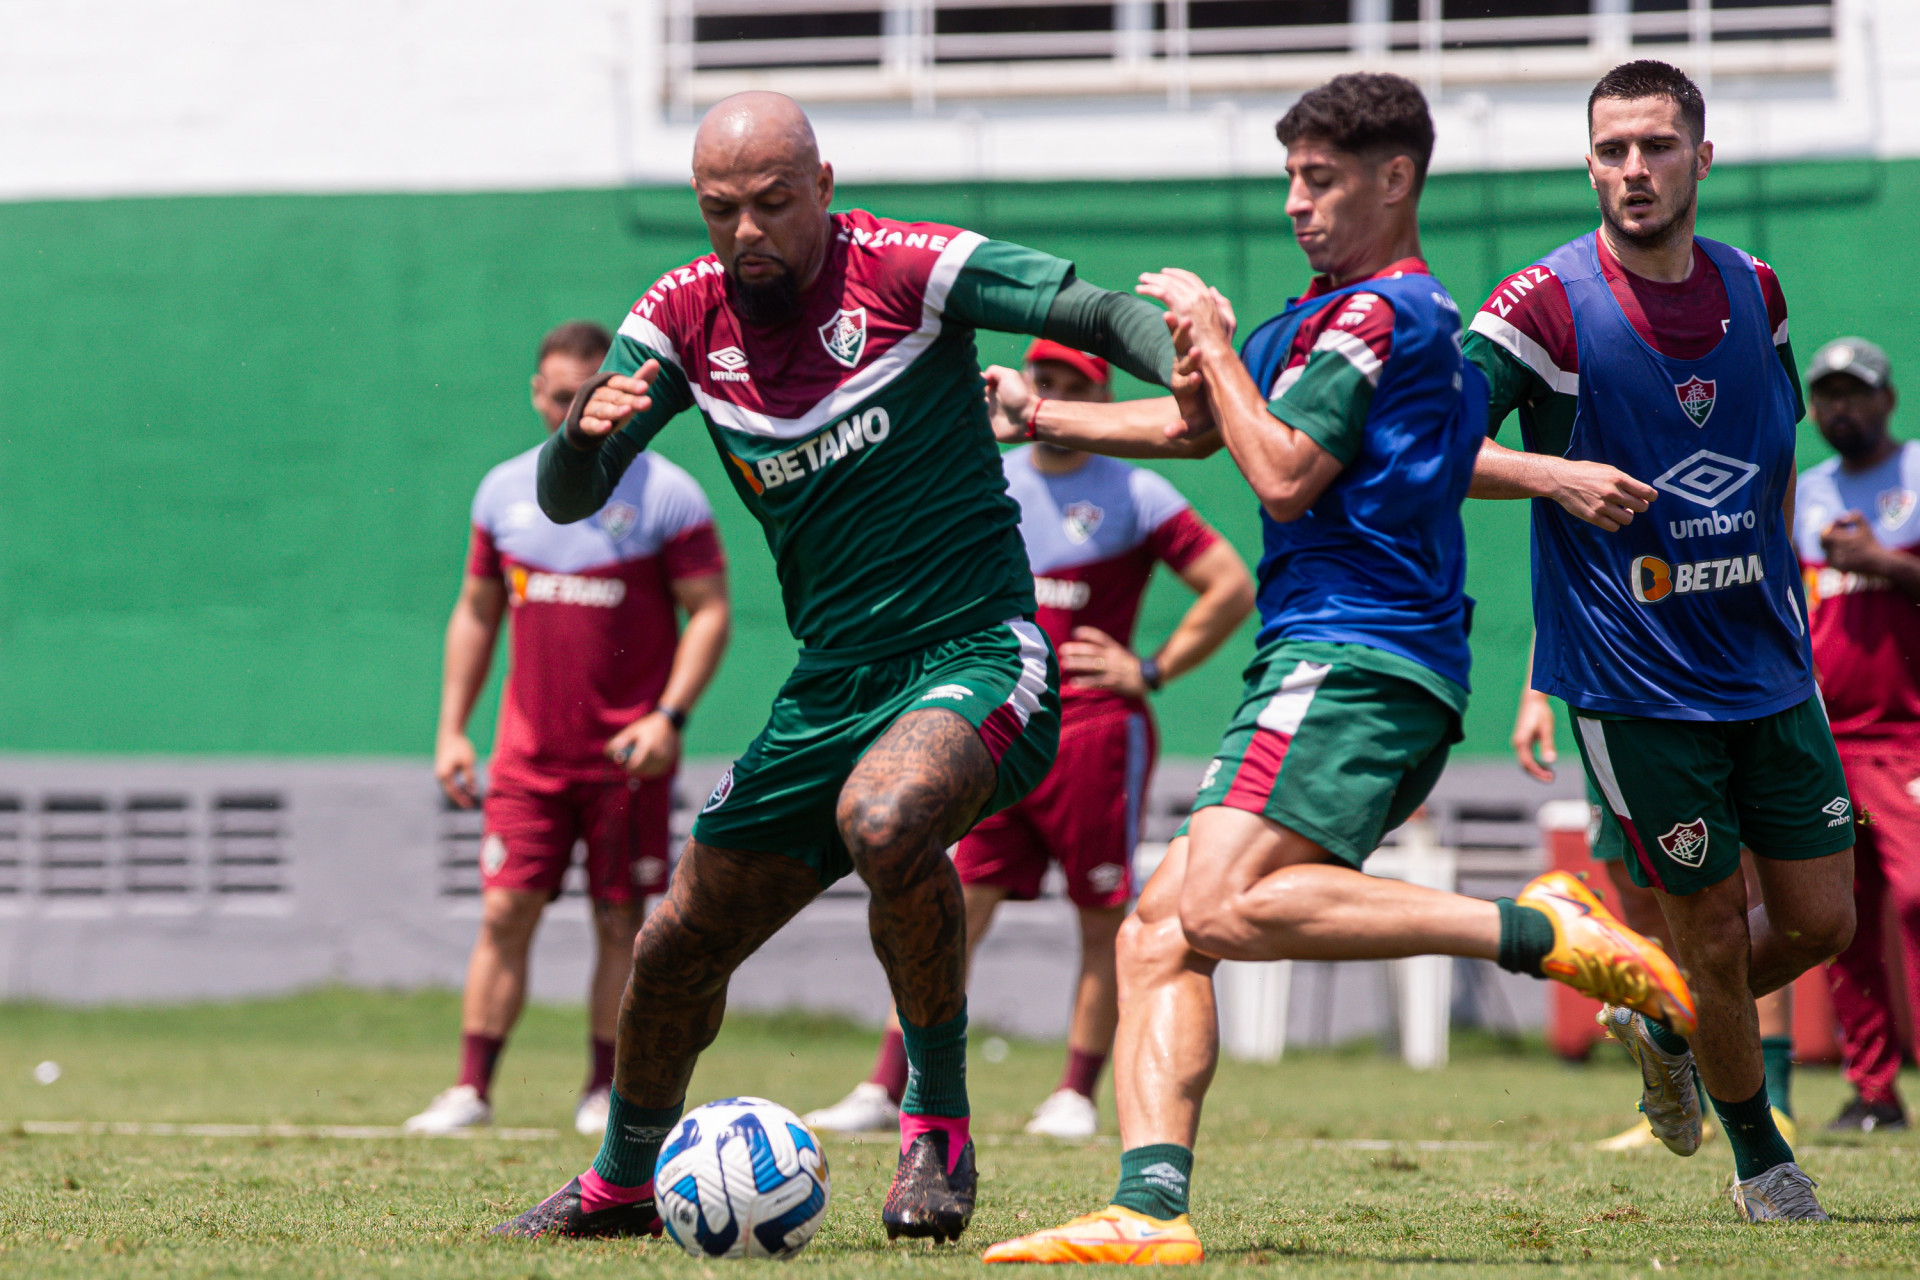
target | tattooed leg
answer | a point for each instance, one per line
(915, 792)
(722, 904)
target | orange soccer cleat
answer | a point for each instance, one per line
(1112, 1235)
(1598, 956)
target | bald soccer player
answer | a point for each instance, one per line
(831, 356)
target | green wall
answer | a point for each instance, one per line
(241, 434)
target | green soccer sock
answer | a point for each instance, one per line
(632, 1141)
(1154, 1180)
(1756, 1141)
(1777, 1053)
(1664, 1036)
(936, 1068)
(1526, 936)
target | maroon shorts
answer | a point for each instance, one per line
(1085, 814)
(533, 823)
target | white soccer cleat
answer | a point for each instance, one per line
(1667, 1095)
(458, 1109)
(1783, 1193)
(867, 1109)
(1065, 1114)
(590, 1117)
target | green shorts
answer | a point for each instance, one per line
(1339, 742)
(1605, 840)
(780, 796)
(1684, 795)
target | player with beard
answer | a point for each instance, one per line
(1648, 363)
(832, 358)
(1356, 421)
(1859, 539)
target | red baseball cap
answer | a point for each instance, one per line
(1046, 349)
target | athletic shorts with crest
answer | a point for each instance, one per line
(1684, 795)
(780, 796)
(1338, 742)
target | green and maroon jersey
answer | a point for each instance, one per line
(858, 434)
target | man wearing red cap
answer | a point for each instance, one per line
(1094, 528)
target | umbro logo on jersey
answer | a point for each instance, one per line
(845, 335)
(1686, 843)
(1080, 520)
(729, 364)
(1653, 579)
(1706, 478)
(1839, 810)
(1696, 399)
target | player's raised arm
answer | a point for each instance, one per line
(1150, 428)
(1286, 467)
(611, 420)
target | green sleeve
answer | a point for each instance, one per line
(1328, 404)
(1510, 384)
(1785, 351)
(573, 482)
(1005, 287)
(1116, 326)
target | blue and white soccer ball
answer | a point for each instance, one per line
(741, 1178)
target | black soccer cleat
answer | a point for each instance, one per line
(1861, 1116)
(560, 1215)
(925, 1201)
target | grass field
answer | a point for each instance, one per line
(1479, 1169)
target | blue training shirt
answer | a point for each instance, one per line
(1380, 558)
(1694, 610)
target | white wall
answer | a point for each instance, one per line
(120, 97)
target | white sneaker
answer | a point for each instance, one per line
(1065, 1114)
(867, 1109)
(459, 1108)
(1783, 1193)
(1667, 1096)
(590, 1117)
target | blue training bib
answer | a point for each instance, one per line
(1693, 611)
(1380, 558)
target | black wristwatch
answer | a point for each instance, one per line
(1150, 674)
(675, 717)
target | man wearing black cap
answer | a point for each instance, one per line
(1858, 534)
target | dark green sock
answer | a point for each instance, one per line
(1757, 1144)
(1665, 1037)
(936, 1068)
(632, 1141)
(1777, 1052)
(1154, 1180)
(1526, 936)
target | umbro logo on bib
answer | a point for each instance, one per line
(845, 335)
(1696, 399)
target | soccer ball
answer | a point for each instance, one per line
(741, 1178)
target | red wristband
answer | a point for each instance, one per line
(1033, 418)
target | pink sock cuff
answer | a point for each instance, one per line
(955, 1127)
(596, 1193)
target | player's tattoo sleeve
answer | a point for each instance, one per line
(721, 906)
(915, 792)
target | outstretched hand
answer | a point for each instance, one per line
(614, 402)
(1189, 298)
(1009, 401)
(1189, 385)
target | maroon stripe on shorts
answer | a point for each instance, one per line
(1000, 729)
(1640, 851)
(1259, 769)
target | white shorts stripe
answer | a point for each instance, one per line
(1287, 708)
(1032, 684)
(1594, 734)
